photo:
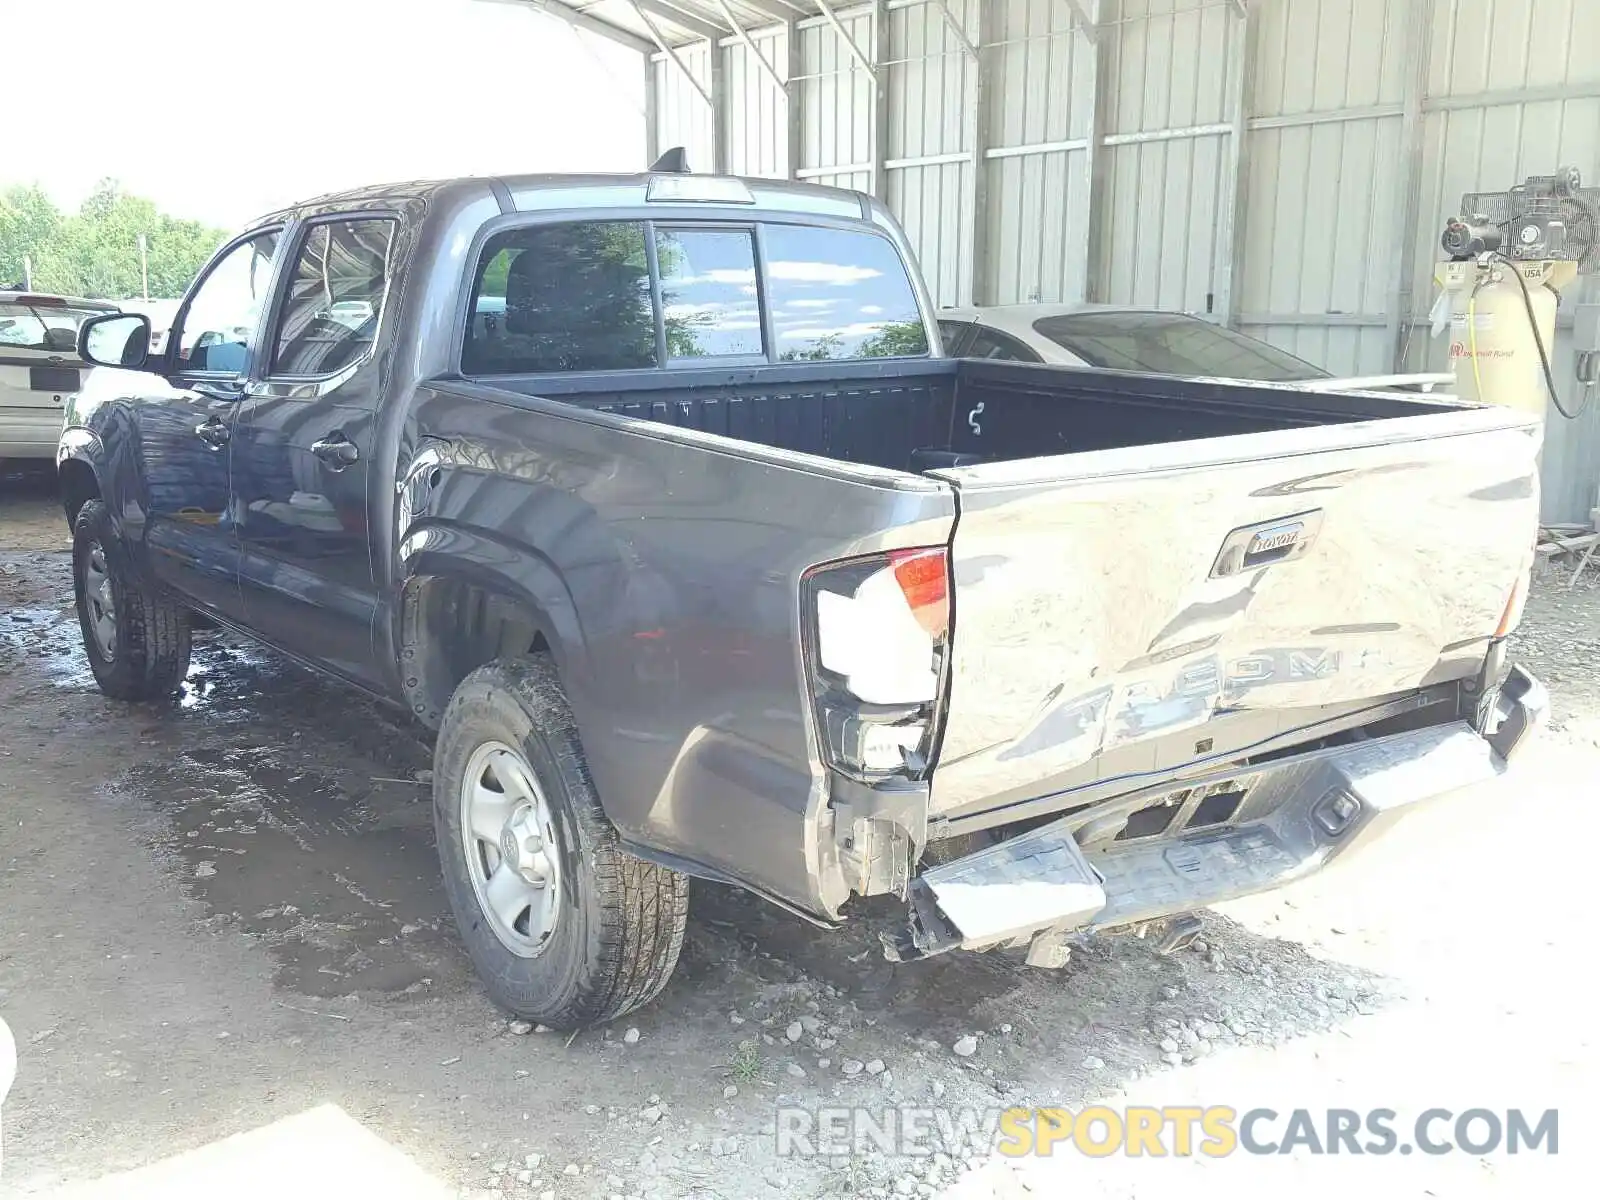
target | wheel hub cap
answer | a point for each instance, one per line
(101, 606)
(508, 837)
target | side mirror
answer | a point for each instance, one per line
(115, 340)
(57, 338)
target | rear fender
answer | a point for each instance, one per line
(479, 560)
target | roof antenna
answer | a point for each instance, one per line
(673, 162)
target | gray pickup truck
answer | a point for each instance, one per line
(655, 498)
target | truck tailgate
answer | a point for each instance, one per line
(1126, 613)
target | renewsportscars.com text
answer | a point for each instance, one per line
(1171, 1131)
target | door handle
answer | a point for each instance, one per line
(336, 450)
(212, 432)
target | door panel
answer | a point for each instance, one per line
(189, 545)
(305, 565)
(186, 420)
(301, 460)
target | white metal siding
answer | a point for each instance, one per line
(757, 113)
(1323, 250)
(684, 116)
(1036, 153)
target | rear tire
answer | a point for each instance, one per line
(136, 639)
(593, 932)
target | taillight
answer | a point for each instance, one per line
(880, 625)
(923, 576)
(1512, 617)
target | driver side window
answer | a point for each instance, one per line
(224, 312)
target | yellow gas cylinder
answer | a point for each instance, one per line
(1492, 347)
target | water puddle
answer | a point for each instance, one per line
(343, 889)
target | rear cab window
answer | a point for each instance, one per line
(43, 323)
(625, 295)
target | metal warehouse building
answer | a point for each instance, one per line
(1282, 165)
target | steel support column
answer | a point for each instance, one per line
(1418, 35)
(880, 99)
(719, 109)
(793, 119)
(977, 139)
(1228, 269)
(1094, 168)
(652, 111)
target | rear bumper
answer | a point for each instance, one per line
(1296, 816)
(29, 432)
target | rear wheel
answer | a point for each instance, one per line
(136, 640)
(562, 924)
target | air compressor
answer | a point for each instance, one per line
(1510, 256)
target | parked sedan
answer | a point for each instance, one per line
(1139, 339)
(39, 368)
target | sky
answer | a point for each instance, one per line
(220, 110)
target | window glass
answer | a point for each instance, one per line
(336, 293)
(952, 332)
(1172, 344)
(571, 297)
(836, 293)
(224, 312)
(708, 292)
(986, 343)
(26, 325)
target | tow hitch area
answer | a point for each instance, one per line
(1296, 815)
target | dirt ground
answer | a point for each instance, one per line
(228, 963)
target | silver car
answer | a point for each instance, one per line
(1141, 339)
(39, 368)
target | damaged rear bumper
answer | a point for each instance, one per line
(1293, 818)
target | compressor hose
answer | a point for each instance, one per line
(1538, 340)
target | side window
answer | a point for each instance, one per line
(222, 315)
(335, 297)
(837, 293)
(987, 343)
(571, 297)
(954, 334)
(708, 293)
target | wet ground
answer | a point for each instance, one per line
(224, 912)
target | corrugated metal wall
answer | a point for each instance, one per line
(1288, 172)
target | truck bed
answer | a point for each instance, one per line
(911, 415)
(1152, 576)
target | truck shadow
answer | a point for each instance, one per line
(1119, 1006)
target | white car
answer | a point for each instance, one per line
(39, 368)
(1140, 339)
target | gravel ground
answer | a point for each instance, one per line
(228, 964)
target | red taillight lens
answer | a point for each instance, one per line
(1512, 616)
(924, 579)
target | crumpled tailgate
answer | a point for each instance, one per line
(1122, 613)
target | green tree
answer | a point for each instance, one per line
(28, 224)
(897, 339)
(95, 252)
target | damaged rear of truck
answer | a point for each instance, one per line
(1041, 651)
(654, 498)
(1173, 676)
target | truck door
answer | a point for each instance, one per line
(304, 447)
(185, 425)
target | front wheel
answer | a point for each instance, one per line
(563, 925)
(136, 640)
